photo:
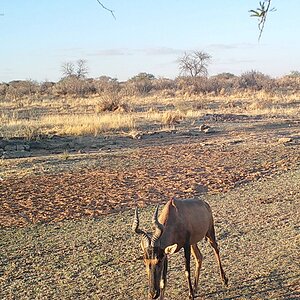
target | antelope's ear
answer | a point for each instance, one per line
(171, 249)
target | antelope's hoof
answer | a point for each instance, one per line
(225, 281)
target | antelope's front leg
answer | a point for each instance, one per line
(163, 280)
(187, 255)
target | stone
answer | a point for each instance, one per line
(15, 154)
(284, 140)
(20, 147)
(10, 147)
(26, 147)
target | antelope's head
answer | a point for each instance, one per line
(155, 258)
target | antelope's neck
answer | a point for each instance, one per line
(173, 232)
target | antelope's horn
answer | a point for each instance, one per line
(135, 228)
(159, 228)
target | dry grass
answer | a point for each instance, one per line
(77, 116)
(85, 124)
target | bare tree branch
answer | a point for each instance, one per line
(82, 69)
(194, 64)
(104, 7)
(261, 13)
(78, 70)
(68, 69)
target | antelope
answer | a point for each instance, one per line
(181, 224)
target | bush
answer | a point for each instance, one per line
(18, 89)
(140, 84)
(255, 80)
(111, 101)
(172, 118)
(74, 86)
(105, 84)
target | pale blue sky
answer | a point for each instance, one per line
(36, 37)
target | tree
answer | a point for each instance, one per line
(194, 64)
(68, 69)
(295, 74)
(80, 70)
(142, 76)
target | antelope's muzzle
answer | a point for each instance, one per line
(154, 294)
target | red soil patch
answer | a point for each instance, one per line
(149, 175)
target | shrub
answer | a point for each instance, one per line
(255, 80)
(140, 84)
(74, 86)
(111, 101)
(172, 118)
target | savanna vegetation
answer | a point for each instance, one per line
(98, 147)
(98, 105)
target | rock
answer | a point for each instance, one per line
(26, 147)
(200, 189)
(204, 127)
(234, 142)
(208, 130)
(284, 140)
(20, 147)
(15, 154)
(10, 147)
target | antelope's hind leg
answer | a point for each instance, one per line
(198, 258)
(213, 242)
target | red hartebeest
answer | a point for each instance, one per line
(181, 224)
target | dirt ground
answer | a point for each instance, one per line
(65, 216)
(257, 225)
(90, 176)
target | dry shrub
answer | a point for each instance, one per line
(261, 104)
(111, 101)
(171, 118)
(232, 104)
(254, 80)
(32, 132)
(141, 84)
(21, 128)
(167, 94)
(201, 103)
